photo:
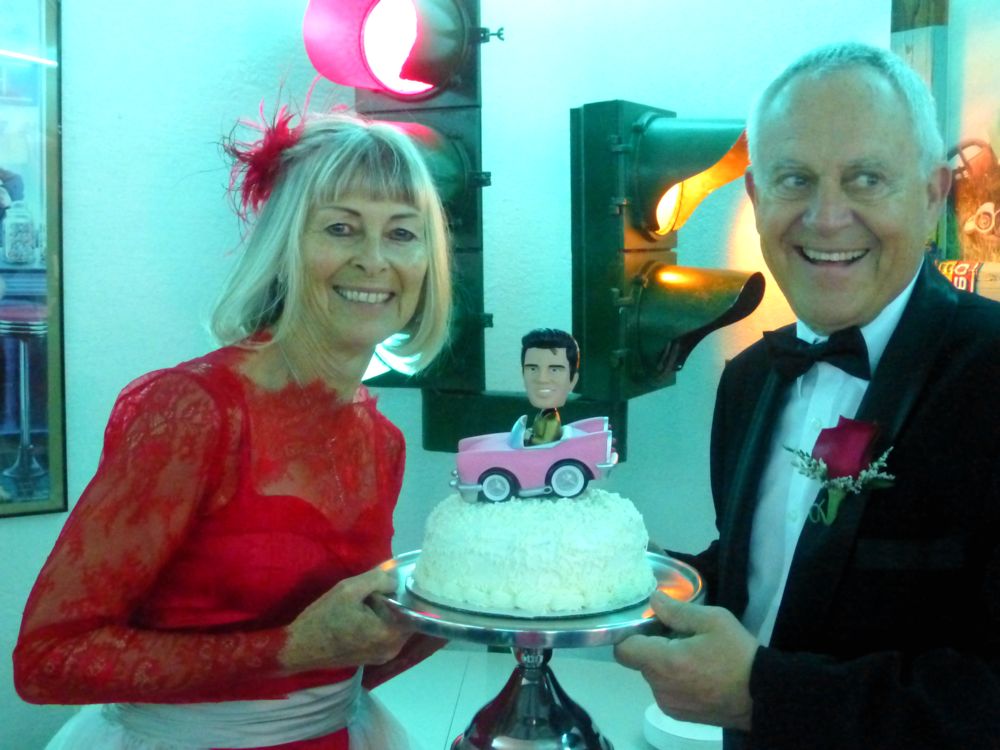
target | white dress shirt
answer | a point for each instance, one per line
(816, 400)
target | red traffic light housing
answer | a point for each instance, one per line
(406, 49)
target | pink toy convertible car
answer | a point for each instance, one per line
(497, 466)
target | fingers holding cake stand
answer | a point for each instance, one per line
(532, 710)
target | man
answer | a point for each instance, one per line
(876, 625)
(549, 362)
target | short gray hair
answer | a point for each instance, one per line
(911, 87)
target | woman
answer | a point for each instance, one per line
(213, 585)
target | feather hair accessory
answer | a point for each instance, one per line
(256, 164)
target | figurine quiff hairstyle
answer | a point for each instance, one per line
(552, 338)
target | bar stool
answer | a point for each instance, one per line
(23, 320)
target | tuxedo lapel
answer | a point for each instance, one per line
(734, 535)
(907, 360)
(823, 551)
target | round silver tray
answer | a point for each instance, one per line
(673, 577)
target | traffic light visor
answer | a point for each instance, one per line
(404, 48)
(679, 162)
(678, 306)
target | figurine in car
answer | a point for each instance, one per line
(549, 362)
(547, 459)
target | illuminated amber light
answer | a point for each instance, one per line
(680, 200)
(668, 208)
(673, 276)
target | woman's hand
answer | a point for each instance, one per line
(343, 628)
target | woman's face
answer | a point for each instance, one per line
(365, 262)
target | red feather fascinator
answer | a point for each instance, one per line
(256, 164)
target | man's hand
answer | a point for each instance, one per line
(702, 672)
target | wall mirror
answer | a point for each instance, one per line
(32, 439)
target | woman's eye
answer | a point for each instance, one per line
(339, 229)
(400, 234)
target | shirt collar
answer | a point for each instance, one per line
(876, 333)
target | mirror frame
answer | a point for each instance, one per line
(32, 457)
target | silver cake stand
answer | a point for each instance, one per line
(532, 711)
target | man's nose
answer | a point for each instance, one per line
(829, 209)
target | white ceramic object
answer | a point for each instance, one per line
(665, 733)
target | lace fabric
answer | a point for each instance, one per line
(219, 510)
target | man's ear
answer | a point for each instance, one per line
(750, 186)
(938, 185)
(572, 380)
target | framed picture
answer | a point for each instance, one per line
(32, 417)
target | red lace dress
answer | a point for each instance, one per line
(219, 510)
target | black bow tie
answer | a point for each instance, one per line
(791, 356)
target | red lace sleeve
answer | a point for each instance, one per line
(165, 444)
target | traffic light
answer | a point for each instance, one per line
(637, 174)
(416, 63)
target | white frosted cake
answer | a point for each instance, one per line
(536, 556)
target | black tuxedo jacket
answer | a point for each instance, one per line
(888, 634)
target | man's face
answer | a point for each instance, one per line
(546, 377)
(843, 207)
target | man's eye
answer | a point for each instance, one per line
(791, 183)
(865, 181)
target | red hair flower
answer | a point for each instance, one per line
(256, 164)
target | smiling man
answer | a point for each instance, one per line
(549, 362)
(871, 623)
(843, 196)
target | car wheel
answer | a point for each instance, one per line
(497, 486)
(568, 478)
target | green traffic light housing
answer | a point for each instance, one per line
(638, 172)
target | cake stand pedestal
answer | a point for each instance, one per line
(532, 711)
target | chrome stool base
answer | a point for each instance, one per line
(23, 321)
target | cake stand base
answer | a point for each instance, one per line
(532, 711)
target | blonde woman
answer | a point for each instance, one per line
(212, 587)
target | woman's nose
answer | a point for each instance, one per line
(370, 254)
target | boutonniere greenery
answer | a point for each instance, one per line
(842, 462)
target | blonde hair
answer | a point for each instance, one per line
(335, 155)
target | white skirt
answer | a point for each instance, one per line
(305, 714)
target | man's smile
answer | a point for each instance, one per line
(816, 255)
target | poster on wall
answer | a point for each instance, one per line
(975, 199)
(973, 131)
(32, 440)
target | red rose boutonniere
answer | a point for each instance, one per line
(841, 461)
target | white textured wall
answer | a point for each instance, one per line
(149, 88)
